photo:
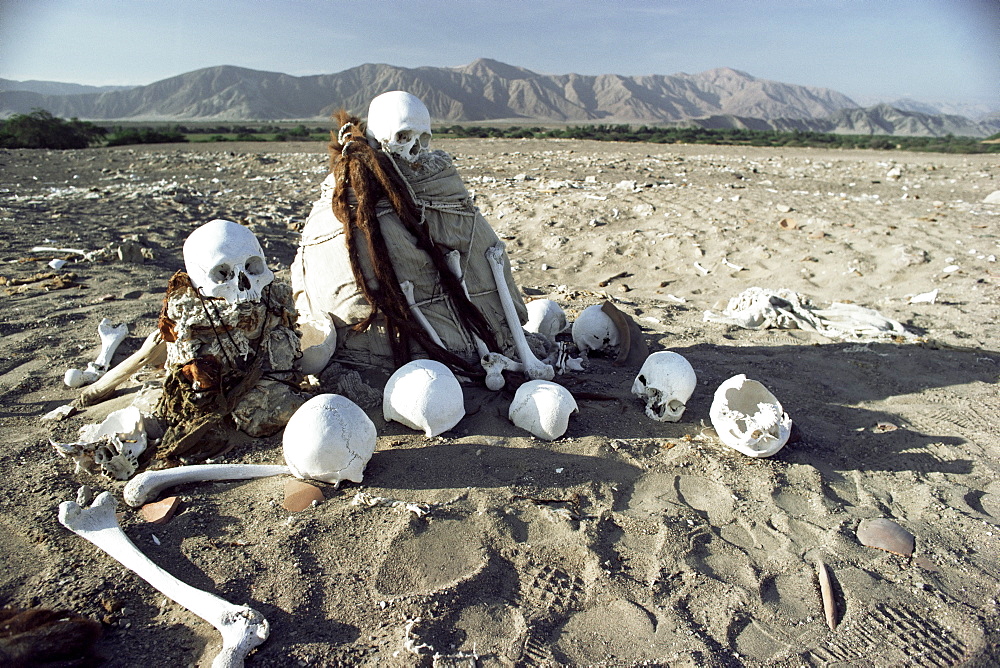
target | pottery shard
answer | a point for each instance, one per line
(161, 511)
(885, 534)
(300, 495)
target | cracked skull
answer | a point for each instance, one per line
(400, 124)
(330, 439)
(665, 382)
(224, 259)
(748, 418)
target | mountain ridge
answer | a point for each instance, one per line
(489, 90)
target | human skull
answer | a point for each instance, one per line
(748, 418)
(224, 259)
(594, 329)
(666, 381)
(330, 439)
(543, 408)
(399, 123)
(424, 395)
(545, 317)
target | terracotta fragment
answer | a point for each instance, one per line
(885, 534)
(300, 495)
(161, 511)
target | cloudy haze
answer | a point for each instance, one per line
(933, 50)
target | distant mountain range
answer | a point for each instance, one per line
(487, 90)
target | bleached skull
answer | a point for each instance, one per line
(424, 395)
(665, 382)
(545, 317)
(749, 418)
(399, 123)
(543, 408)
(224, 259)
(330, 439)
(594, 329)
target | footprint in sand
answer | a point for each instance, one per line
(700, 547)
(424, 559)
(549, 589)
(657, 492)
(892, 633)
(30, 562)
(588, 638)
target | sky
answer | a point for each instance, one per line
(870, 50)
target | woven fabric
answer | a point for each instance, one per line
(323, 283)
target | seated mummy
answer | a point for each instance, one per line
(232, 345)
(394, 252)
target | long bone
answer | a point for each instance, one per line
(407, 288)
(148, 484)
(152, 352)
(329, 439)
(242, 627)
(494, 363)
(454, 260)
(111, 338)
(534, 369)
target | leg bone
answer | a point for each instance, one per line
(533, 368)
(407, 288)
(148, 484)
(493, 363)
(242, 627)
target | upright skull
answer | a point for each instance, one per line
(665, 382)
(224, 259)
(400, 123)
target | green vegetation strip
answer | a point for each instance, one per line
(40, 129)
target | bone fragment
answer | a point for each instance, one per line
(53, 249)
(534, 369)
(148, 484)
(370, 501)
(152, 352)
(407, 288)
(242, 627)
(826, 591)
(111, 337)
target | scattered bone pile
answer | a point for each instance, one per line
(868, 536)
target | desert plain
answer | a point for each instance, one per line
(626, 541)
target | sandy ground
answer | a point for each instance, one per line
(626, 541)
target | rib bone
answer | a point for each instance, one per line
(152, 352)
(533, 368)
(148, 484)
(407, 288)
(242, 627)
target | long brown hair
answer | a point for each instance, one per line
(356, 165)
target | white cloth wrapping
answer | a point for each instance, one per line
(760, 308)
(324, 286)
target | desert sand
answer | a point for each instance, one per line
(625, 542)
